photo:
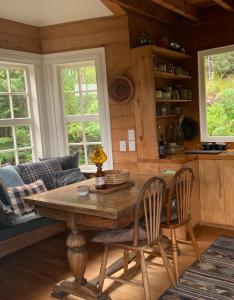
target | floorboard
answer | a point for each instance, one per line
(30, 273)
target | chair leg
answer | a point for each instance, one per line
(145, 277)
(175, 254)
(103, 268)
(126, 257)
(166, 263)
(194, 241)
(138, 260)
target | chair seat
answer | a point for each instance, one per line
(118, 236)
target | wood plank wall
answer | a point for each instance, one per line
(18, 36)
(195, 38)
(113, 34)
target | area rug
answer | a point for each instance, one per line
(213, 278)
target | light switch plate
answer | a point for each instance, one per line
(131, 134)
(122, 146)
(131, 146)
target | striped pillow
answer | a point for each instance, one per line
(17, 194)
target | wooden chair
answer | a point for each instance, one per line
(149, 204)
(180, 191)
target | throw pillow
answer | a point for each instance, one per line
(9, 177)
(66, 177)
(17, 195)
(45, 170)
(67, 162)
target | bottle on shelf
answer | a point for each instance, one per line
(162, 147)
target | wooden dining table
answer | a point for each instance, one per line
(95, 210)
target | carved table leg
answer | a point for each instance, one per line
(77, 258)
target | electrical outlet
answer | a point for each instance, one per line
(122, 146)
(131, 146)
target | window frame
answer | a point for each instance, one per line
(202, 95)
(52, 63)
(17, 59)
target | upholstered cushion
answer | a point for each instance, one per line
(9, 177)
(17, 195)
(66, 177)
(118, 236)
(45, 170)
(67, 162)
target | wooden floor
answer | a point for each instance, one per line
(30, 273)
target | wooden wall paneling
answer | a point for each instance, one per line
(145, 112)
(18, 36)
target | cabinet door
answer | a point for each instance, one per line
(212, 191)
(228, 183)
(195, 197)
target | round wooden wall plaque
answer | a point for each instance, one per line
(121, 89)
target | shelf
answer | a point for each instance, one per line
(172, 76)
(168, 116)
(172, 101)
(169, 53)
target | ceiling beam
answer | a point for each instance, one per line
(115, 8)
(148, 9)
(182, 8)
(226, 4)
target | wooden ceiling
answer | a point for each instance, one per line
(175, 12)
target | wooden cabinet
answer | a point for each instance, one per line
(216, 191)
(147, 80)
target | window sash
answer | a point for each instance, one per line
(205, 137)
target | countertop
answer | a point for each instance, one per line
(182, 158)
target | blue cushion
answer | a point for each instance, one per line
(70, 176)
(45, 170)
(9, 177)
(67, 162)
(24, 224)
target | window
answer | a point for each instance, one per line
(81, 109)
(216, 83)
(78, 104)
(16, 144)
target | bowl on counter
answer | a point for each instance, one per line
(83, 190)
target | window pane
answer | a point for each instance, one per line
(219, 76)
(25, 156)
(7, 157)
(90, 149)
(5, 111)
(6, 138)
(75, 132)
(91, 104)
(72, 104)
(92, 131)
(3, 80)
(88, 78)
(80, 149)
(70, 79)
(23, 136)
(20, 106)
(17, 80)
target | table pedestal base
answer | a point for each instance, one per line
(87, 291)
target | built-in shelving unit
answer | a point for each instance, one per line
(168, 53)
(166, 75)
(172, 101)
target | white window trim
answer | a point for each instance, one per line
(32, 63)
(51, 63)
(202, 95)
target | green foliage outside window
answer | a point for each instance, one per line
(219, 71)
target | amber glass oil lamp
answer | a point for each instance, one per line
(98, 157)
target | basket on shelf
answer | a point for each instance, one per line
(116, 176)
